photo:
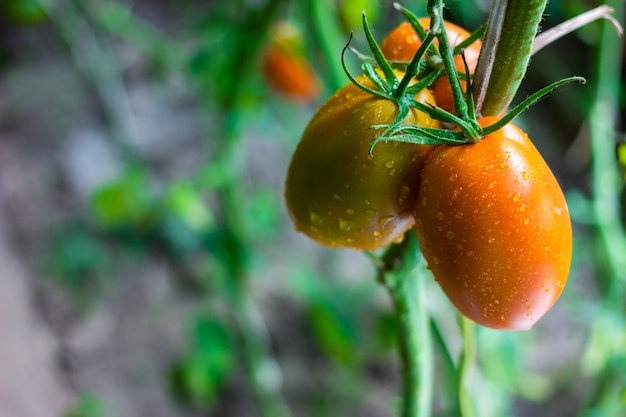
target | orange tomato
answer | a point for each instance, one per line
(494, 227)
(337, 193)
(402, 43)
(285, 68)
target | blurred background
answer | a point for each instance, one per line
(148, 266)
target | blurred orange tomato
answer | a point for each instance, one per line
(285, 68)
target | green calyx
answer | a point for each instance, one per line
(429, 63)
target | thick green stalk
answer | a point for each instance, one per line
(505, 54)
(402, 273)
(331, 40)
(605, 171)
(466, 362)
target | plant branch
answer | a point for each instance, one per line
(505, 54)
(402, 272)
(601, 12)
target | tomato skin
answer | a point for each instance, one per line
(402, 43)
(340, 196)
(494, 227)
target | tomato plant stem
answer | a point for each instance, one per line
(329, 35)
(402, 273)
(466, 363)
(506, 51)
(604, 347)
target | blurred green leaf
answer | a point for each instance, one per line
(351, 13)
(125, 203)
(198, 378)
(87, 405)
(78, 262)
(23, 12)
(185, 202)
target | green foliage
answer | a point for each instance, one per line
(233, 222)
(126, 203)
(79, 262)
(198, 378)
(87, 405)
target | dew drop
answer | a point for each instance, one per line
(390, 163)
(384, 220)
(525, 175)
(454, 177)
(459, 215)
(491, 239)
(392, 172)
(522, 207)
(315, 218)
(405, 190)
(410, 40)
(367, 202)
(450, 234)
(492, 184)
(370, 213)
(377, 234)
(526, 221)
(349, 211)
(345, 225)
(516, 196)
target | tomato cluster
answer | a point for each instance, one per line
(490, 217)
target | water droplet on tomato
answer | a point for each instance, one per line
(516, 196)
(337, 197)
(525, 175)
(491, 239)
(450, 234)
(492, 184)
(315, 218)
(392, 172)
(349, 212)
(345, 225)
(522, 207)
(440, 215)
(390, 163)
(454, 177)
(384, 220)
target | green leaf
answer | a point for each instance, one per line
(198, 378)
(125, 203)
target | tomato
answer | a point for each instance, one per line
(495, 229)
(285, 68)
(402, 43)
(340, 196)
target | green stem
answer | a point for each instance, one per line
(604, 169)
(331, 40)
(466, 363)
(263, 372)
(505, 54)
(402, 275)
